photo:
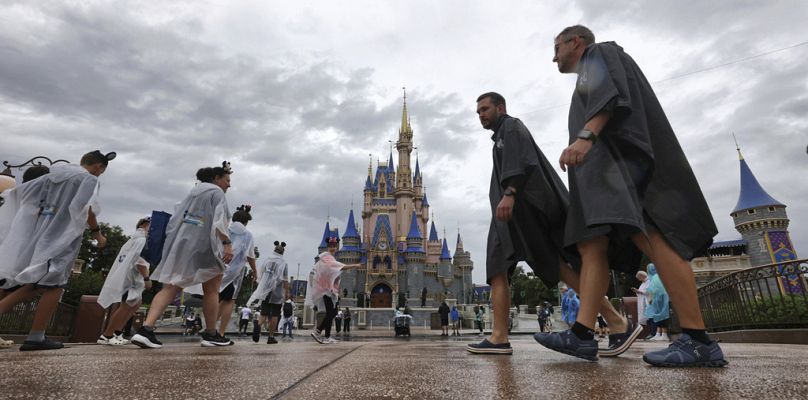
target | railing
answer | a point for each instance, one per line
(773, 296)
(18, 321)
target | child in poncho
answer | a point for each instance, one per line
(323, 290)
(124, 285)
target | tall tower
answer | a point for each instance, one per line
(404, 192)
(762, 221)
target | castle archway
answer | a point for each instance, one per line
(381, 296)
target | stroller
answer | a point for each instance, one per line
(402, 324)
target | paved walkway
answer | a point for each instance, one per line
(389, 368)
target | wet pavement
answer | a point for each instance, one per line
(365, 368)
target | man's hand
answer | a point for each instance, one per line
(102, 241)
(148, 285)
(505, 208)
(574, 155)
(228, 253)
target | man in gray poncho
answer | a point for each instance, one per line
(631, 188)
(529, 206)
(41, 227)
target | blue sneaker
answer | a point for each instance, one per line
(486, 347)
(566, 342)
(686, 352)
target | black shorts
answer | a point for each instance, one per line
(229, 293)
(270, 310)
(444, 320)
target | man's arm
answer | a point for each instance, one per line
(144, 271)
(92, 222)
(575, 153)
(251, 261)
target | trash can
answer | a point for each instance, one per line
(89, 321)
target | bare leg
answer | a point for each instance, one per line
(225, 310)
(594, 279)
(501, 303)
(676, 275)
(273, 326)
(13, 298)
(616, 321)
(210, 302)
(45, 308)
(161, 300)
(118, 319)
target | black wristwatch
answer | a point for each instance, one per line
(509, 192)
(226, 242)
(586, 134)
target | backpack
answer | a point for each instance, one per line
(153, 250)
(287, 310)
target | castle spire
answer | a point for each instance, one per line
(405, 119)
(752, 193)
(350, 229)
(433, 233)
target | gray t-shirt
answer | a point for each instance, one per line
(277, 295)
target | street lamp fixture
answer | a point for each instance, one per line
(7, 179)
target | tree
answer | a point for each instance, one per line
(102, 260)
(530, 289)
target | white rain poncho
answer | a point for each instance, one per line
(325, 281)
(270, 276)
(243, 248)
(642, 301)
(41, 226)
(124, 276)
(192, 250)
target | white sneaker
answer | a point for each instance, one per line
(4, 344)
(658, 338)
(331, 340)
(318, 337)
(117, 341)
(103, 340)
(121, 339)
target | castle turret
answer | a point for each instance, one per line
(433, 246)
(351, 250)
(404, 193)
(762, 221)
(462, 266)
(324, 242)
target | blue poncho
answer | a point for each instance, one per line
(658, 306)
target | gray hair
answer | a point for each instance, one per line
(641, 274)
(577, 31)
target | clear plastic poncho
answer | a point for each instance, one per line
(270, 276)
(41, 226)
(243, 248)
(193, 250)
(325, 281)
(124, 276)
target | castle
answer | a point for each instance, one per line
(400, 263)
(763, 224)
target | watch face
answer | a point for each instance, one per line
(383, 245)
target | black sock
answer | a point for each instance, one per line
(118, 333)
(148, 328)
(106, 337)
(699, 335)
(583, 332)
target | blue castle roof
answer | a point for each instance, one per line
(414, 233)
(433, 233)
(326, 233)
(350, 230)
(752, 194)
(369, 184)
(417, 172)
(382, 228)
(444, 253)
(425, 202)
(390, 166)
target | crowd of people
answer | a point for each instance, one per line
(629, 185)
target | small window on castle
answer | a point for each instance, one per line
(751, 211)
(771, 209)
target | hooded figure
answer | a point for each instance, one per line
(658, 306)
(123, 277)
(569, 306)
(41, 226)
(270, 276)
(192, 249)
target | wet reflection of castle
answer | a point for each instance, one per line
(399, 259)
(763, 224)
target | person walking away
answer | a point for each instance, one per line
(346, 322)
(124, 285)
(272, 291)
(444, 311)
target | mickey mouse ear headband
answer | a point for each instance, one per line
(226, 167)
(281, 244)
(98, 156)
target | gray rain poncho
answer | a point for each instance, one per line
(41, 226)
(636, 173)
(192, 250)
(243, 248)
(124, 277)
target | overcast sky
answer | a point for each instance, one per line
(297, 94)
